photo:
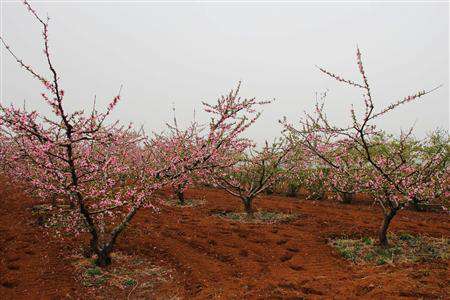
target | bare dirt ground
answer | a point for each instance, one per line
(213, 258)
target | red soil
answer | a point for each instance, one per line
(216, 258)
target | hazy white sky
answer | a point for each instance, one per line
(182, 53)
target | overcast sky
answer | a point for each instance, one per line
(182, 53)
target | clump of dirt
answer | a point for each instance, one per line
(404, 248)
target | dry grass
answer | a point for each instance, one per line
(135, 274)
(403, 248)
(190, 202)
(258, 217)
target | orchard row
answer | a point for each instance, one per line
(103, 172)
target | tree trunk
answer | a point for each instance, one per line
(180, 196)
(317, 195)
(87, 252)
(89, 222)
(347, 198)
(416, 204)
(103, 257)
(384, 228)
(104, 253)
(248, 207)
(292, 190)
(53, 200)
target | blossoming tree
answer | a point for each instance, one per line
(305, 172)
(102, 168)
(394, 180)
(5, 148)
(254, 172)
(177, 142)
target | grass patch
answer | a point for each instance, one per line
(129, 282)
(258, 217)
(403, 248)
(93, 271)
(135, 274)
